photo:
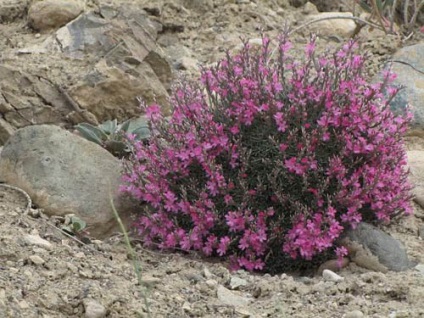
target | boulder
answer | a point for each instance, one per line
(330, 26)
(51, 14)
(91, 70)
(127, 64)
(26, 99)
(65, 174)
(408, 64)
(6, 130)
(374, 249)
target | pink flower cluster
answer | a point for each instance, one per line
(268, 155)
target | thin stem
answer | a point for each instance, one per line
(136, 264)
(378, 14)
(392, 15)
(415, 15)
(405, 13)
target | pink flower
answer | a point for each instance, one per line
(302, 146)
(341, 252)
(223, 245)
(153, 112)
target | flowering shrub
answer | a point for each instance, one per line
(269, 156)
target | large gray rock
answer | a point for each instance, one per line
(407, 64)
(63, 174)
(374, 249)
(6, 130)
(49, 14)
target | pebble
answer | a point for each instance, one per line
(421, 232)
(236, 282)
(211, 283)
(37, 240)
(186, 306)
(354, 314)
(93, 309)
(229, 298)
(23, 304)
(37, 260)
(331, 276)
(150, 281)
(420, 268)
(207, 273)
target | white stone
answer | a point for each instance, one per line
(207, 273)
(354, 314)
(420, 268)
(236, 282)
(37, 259)
(229, 298)
(93, 309)
(331, 276)
(38, 241)
(212, 283)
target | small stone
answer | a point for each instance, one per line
(72, 267)
(310, 8)
(86, 273)
(420, 268)
(207, 273)
(212, 283)
(23, 304)
(150, 281)
(227, 297)
(37, 240)
(331, 276)
(186, 306)
(28, 274)
(93, 309)
(236, 282)
(37, 260)
(243, 312)
(354, 314)
(35, 213)
(421, 232)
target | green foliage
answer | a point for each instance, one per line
(113, 136)
(74, 225)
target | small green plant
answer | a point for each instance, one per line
(113, 136)
(77, 227)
